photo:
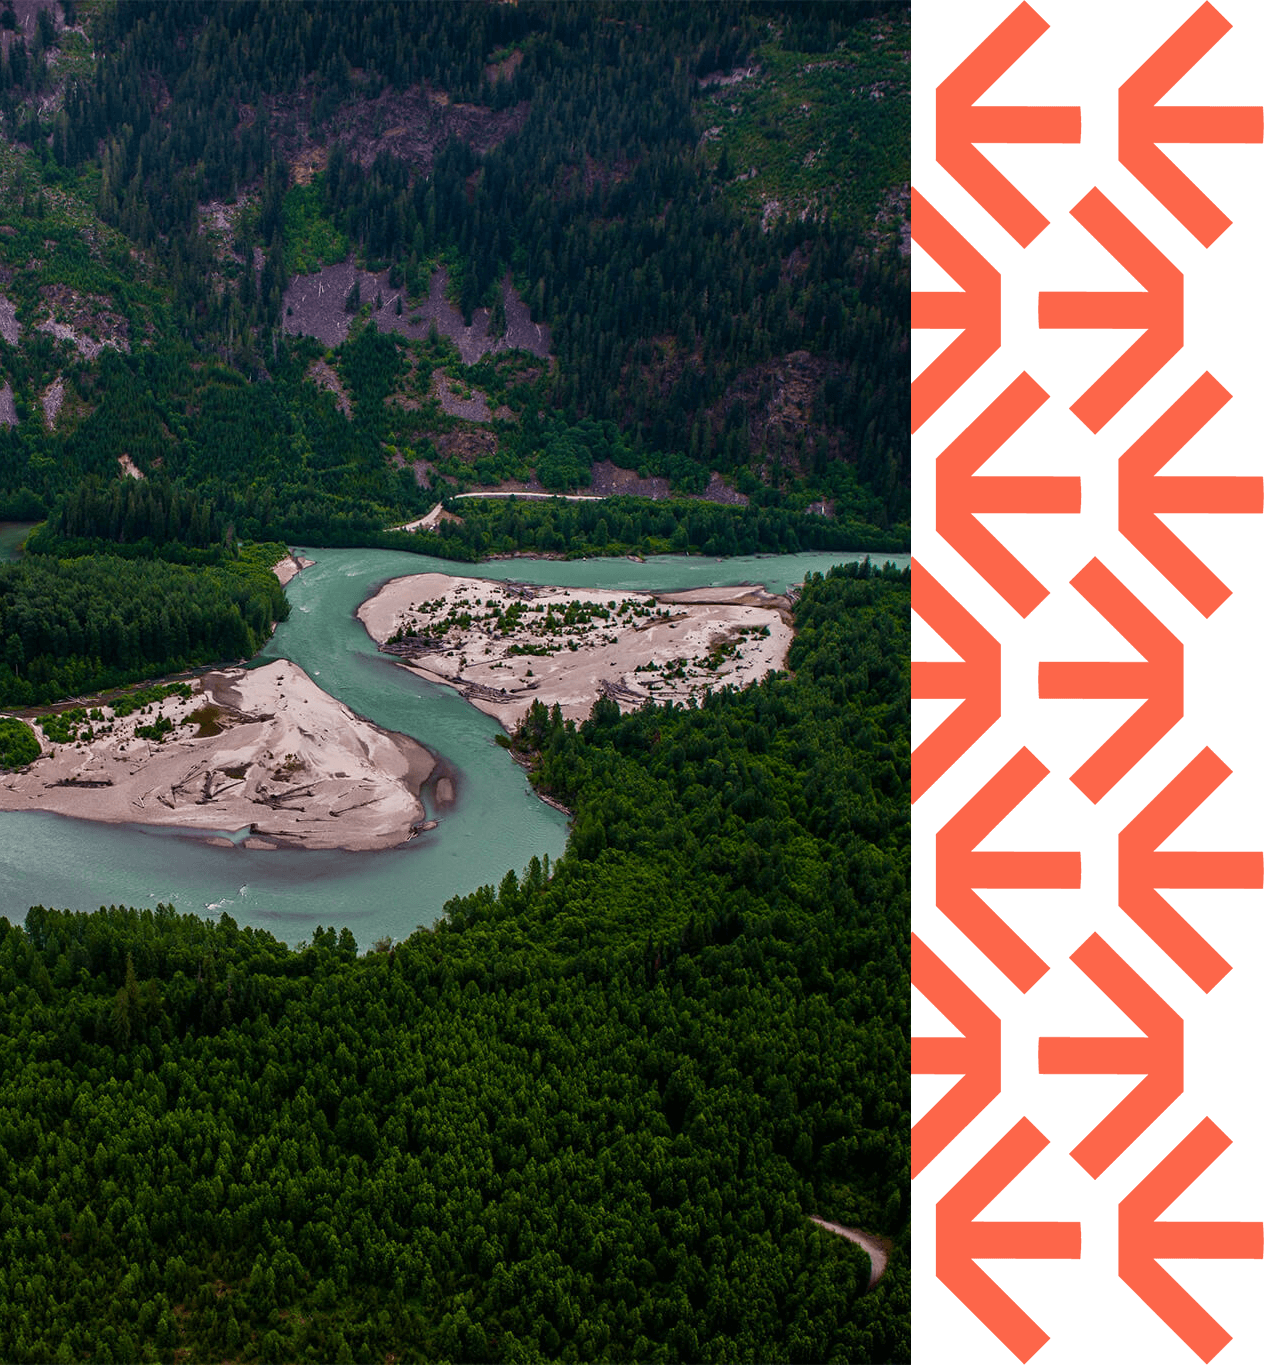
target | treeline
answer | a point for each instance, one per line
(642, 1068)
(72, 626)
(624, 525)
(277, 460)
(136, 519)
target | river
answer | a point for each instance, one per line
(12, 534)
(496, 824)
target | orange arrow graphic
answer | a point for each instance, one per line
(1144, 1241)
(1142, 495)
(960, 123)
(1160, 310)
(1141, 869)
(1141, 125)
(960, 493)
(975, 1057)
(977, 310)
(960, 868)
(1159, 1056)
(960, 1240)
(977, 680)
(1159, 679)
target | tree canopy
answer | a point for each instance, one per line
(585, 1117)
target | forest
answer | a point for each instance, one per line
(588, 1115)
(75, 626)
(134, 519)
(583, 1118)
(673, 315)
(625, 525)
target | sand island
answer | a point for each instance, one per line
(263, 750)
(505, 645)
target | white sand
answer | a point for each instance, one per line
(286, 568)
(292, 764)
(659, 647)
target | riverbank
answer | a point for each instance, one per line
(292, 564)
(504, 646)
(263, 750)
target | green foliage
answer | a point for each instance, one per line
(823, 118)
(62, 727)
(18, 743)
(370, 363)
(81, 625)
(311, 240)
(584, 1118)
(133, 518)
(562, 467)
(670, 318)
(140, 697)
(643, 526)
(157, 730)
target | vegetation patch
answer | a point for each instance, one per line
(816, 122)
(143, 697)
(311, 240)
(18, 743)
(69, 627)
(157, 730)
(207, 719)
(62, 727)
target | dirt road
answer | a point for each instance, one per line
(873, 1245)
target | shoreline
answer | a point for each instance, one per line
(504, 645)
(285, 570)
(271, 753)
(293, 564)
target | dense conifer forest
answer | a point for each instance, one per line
(74, 626)
(585, 1118)
(295, 272)
(156, 202)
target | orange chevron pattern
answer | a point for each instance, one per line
(1087, 408)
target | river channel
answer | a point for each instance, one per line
(496, 824)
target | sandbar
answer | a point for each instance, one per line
(505, 645)
(286, 568)
(263, 750)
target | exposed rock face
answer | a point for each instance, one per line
(315, 306)
(51, 400)
(87, 321)
(412, 124)
(10, 328)
(322, 374)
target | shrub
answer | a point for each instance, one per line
(18, 744)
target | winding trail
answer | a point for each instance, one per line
(873, 1245)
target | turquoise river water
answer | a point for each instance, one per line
(496, 824)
